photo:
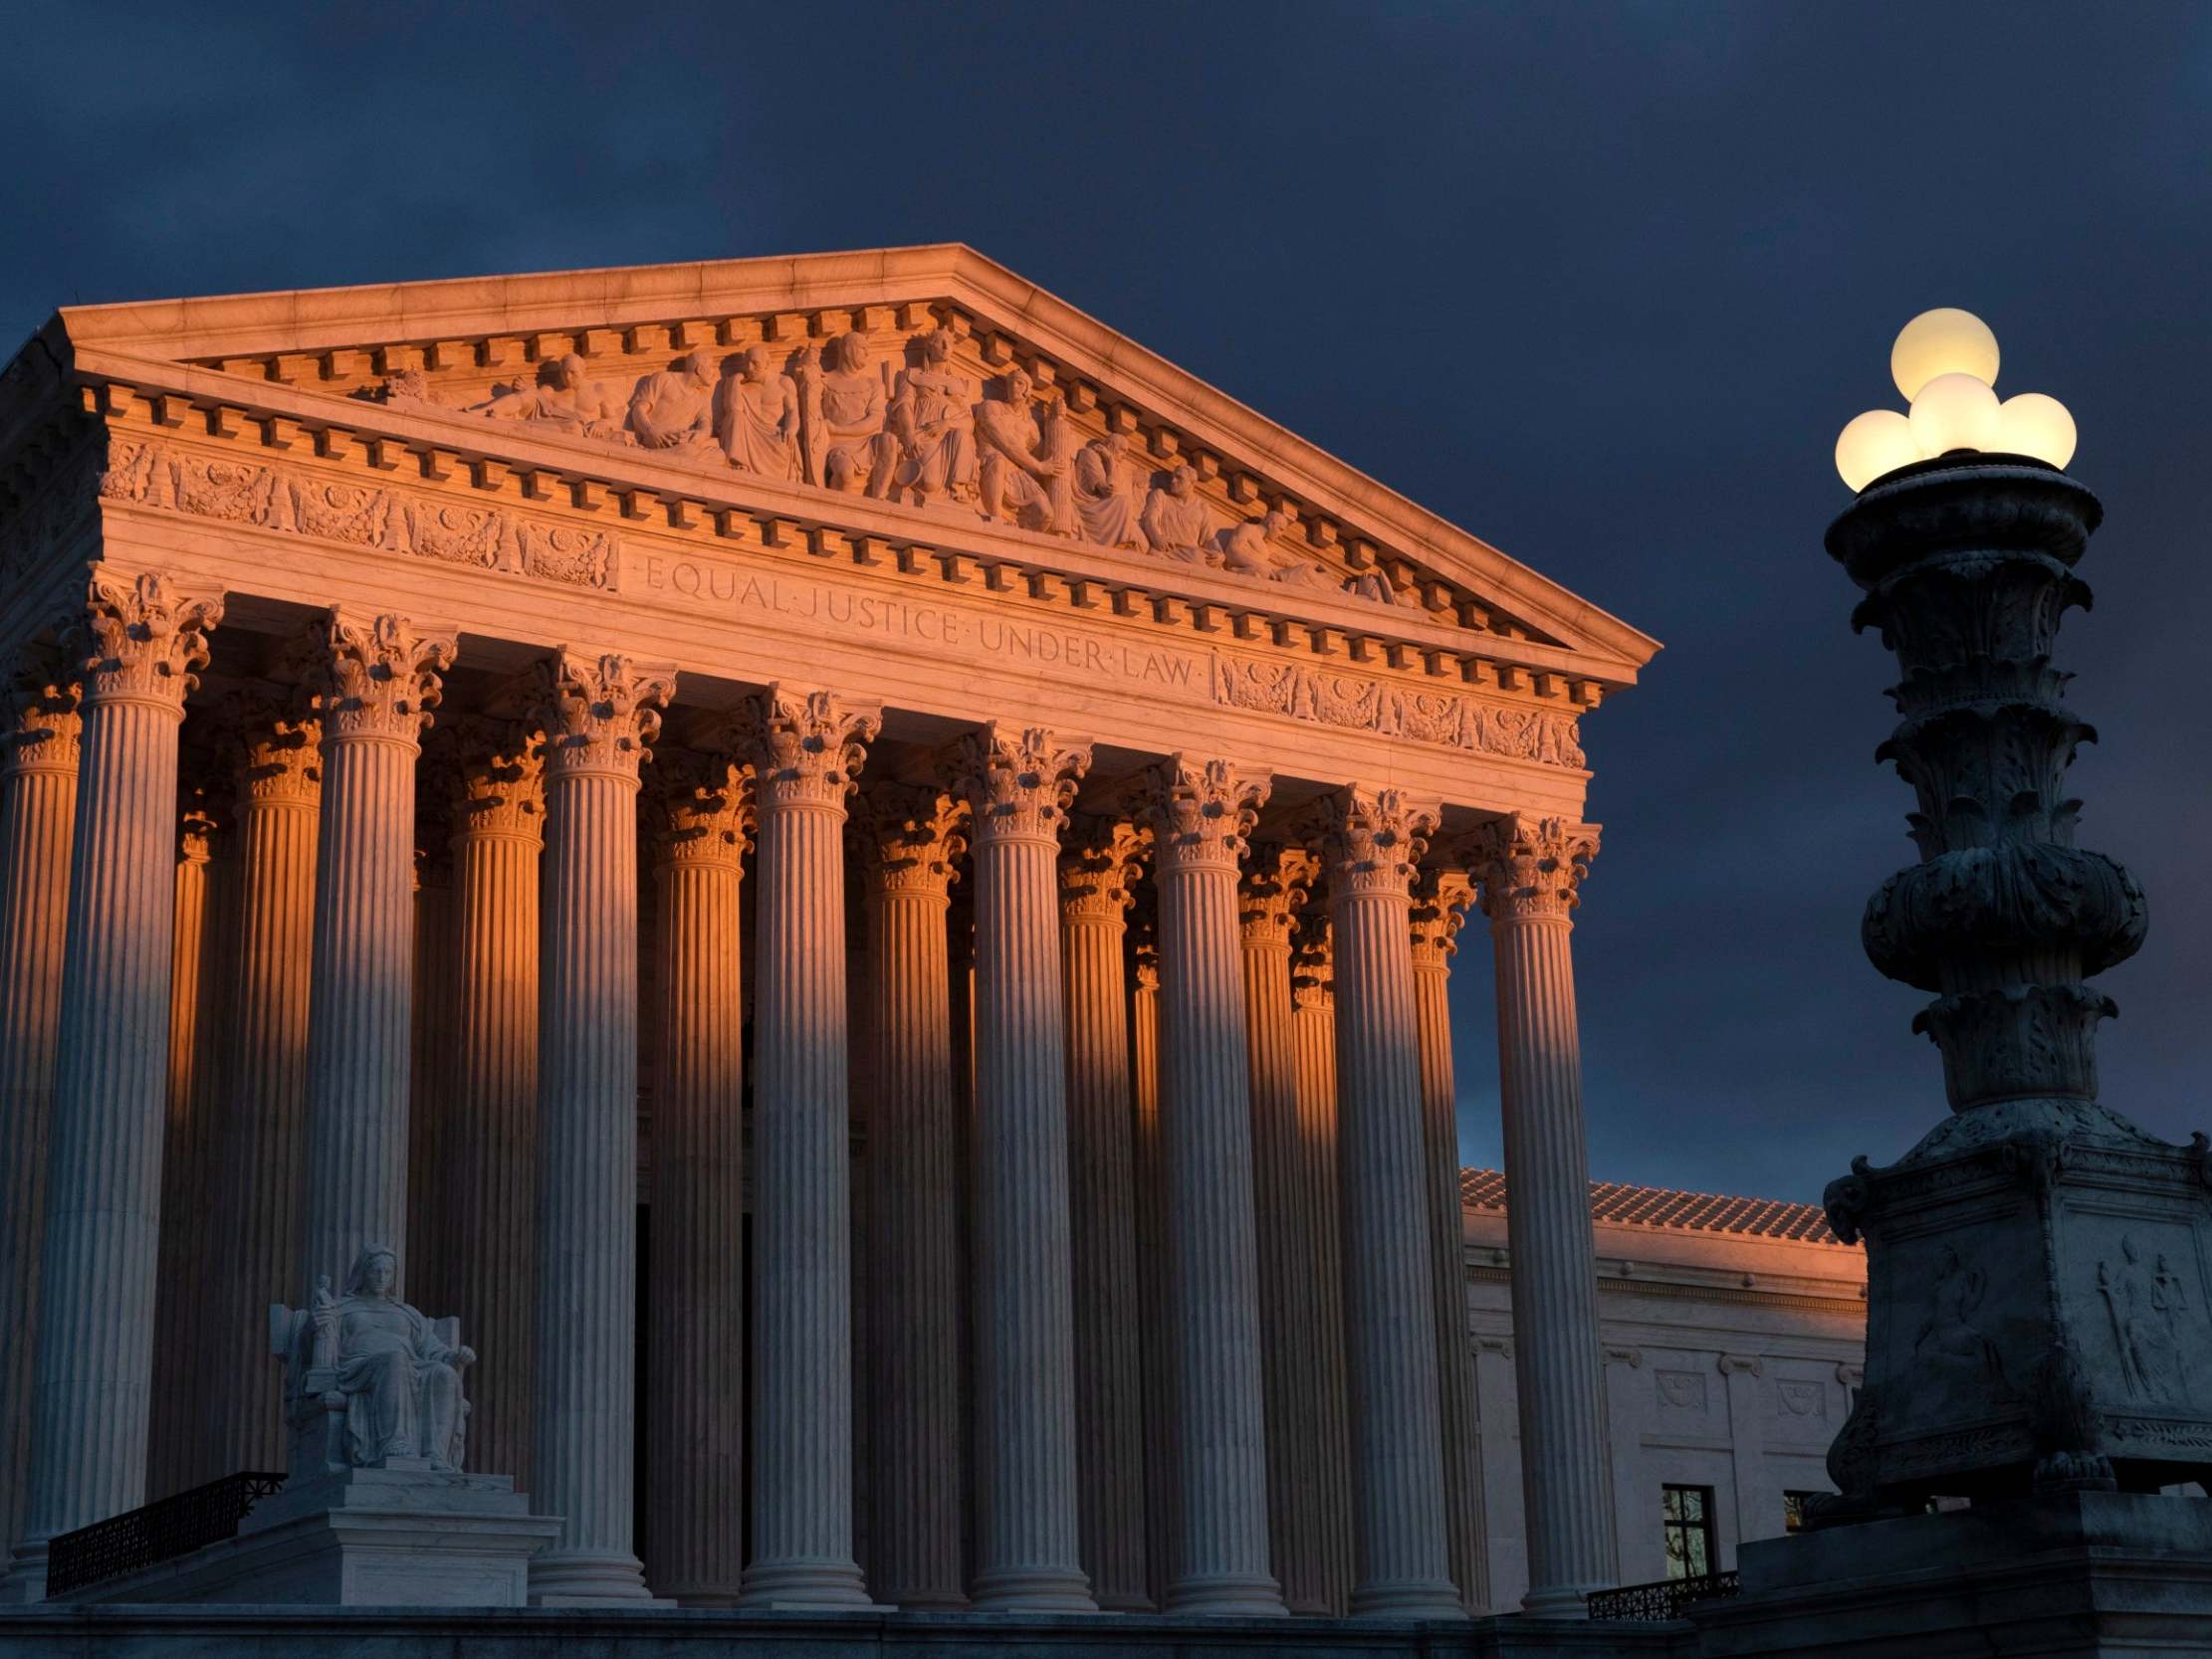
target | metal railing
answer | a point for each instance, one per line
(1663, 1601)
(158, 1532)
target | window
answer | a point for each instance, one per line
(1793, 1510)
(1688, 1512)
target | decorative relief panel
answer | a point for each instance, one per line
(1684, 1390)
(1361, 703)
(268, 495)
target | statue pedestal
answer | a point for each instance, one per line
(2060, 1575)
(401, 1536)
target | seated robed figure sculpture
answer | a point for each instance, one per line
(370, 1381)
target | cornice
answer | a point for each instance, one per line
(1184, 415)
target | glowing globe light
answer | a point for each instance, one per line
(1943, 342)
(1954, 412)
(1880, 441)
(2032, 424)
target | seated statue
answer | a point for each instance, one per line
(370, 1378)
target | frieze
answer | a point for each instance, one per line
(268, 495)
(1361, 703)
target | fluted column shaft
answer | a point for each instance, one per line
(695, 1298)
(1402, 1566)
(1438, 903)
(139, 642)
(38, 815)
(599, 718)
(1326, 1467)
(1096, 867)
(909, 845)
(1529, 870)
(1029, 1553)
(805, 749)
(487, 1140)
(376, 681)
(261, 1142)
(1161, 1499)
(1202, 813)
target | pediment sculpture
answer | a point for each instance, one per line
(370, 1379)
(923, 432)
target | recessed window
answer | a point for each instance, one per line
(1688, 1519)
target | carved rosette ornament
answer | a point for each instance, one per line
(2038, 1302)
(1019, 781)
(806, 747)
(601, 714)
(379, 676)
(1530, 869)
(141, 638)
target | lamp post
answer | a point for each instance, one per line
(2038, 1291)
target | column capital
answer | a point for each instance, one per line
(1529, 868)
(1200, 812)
(909, 838)
(1276, 887)
(198, 824)
(1370, 840)
(494, 777)
(377, 677)
(42, 723)
(141, 638)
(601, 713)
(806, 747)
(701, 810)
(1019, 781)
(1099, 865)
(1440, 901)
(1312, 971)
(279, 753)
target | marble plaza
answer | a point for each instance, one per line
(847, 870)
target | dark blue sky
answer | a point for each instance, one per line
(1599, 283)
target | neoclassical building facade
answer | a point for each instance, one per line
(855, 872)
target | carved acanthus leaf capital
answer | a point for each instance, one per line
(498, 779)
(1100, 860)
(1312, 964)
(806, 747)
(199, 822)
(1276, 884)
(1529, 867)
(43, 723)
(910, 838)
(1370, 840)
(1440, 901)
(279, 753)
(600, 714)
(377, 677)
(1200, 812)
(140, 638)
(1019, 781)
(702, 809)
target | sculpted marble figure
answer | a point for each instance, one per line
(1024, 466)
(1107, 497)
(565, 398)
(931, 420)
(674, 407)
(844, 409)
(1246, 552)
(1175, 520)
(378, 1367)
(756, 417)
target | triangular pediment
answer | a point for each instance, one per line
(927, 379)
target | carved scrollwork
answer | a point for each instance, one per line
(1100, 860)
(1370, 841)
(2016, 899)
(701, 807)
(42, 723)
(806, 747)
(280, 752)
(600, 714)
(1530, 868)
(499, 778)
(142, 638)
(1440, 901)
(1278, 880)
(1200, 812)
(377, 676)
(1019, 781)
(910, 837)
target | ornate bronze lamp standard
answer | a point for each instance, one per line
(2040, 1302)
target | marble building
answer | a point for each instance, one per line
(859, 876)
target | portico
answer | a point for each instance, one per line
(900, 843)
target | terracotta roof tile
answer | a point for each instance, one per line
(1659, 1206)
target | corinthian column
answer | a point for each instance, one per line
(38, 810)
(1201, 813)
(1369, 842)
(1529, 870)
(805, 749)
(599, 718)
(261, 1146)
(1097, 867)
(1273, 887)
(695, 1298)
(1439, 900)
(1327, 1467)
(909, 845)
(1020, 783)
(487, 1140)
(376, 679)
(1157, 1345)
(139, 641)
